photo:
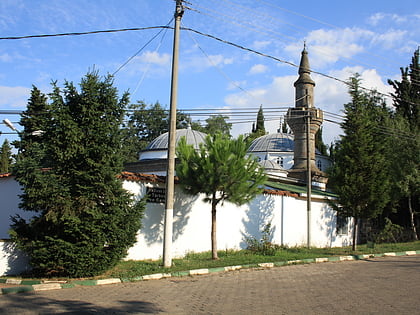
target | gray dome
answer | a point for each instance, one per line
(270, 165)
(193, 137)
(274, 142)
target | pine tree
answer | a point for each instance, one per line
(85, 221)
(360, 175)
(404, 151)
(222, 171)
(407, 92)
(6, 159)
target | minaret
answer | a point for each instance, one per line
(297, 119)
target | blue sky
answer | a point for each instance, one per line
(374, 38)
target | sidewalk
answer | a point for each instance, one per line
(13, 285)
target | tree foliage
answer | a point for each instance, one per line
(319, 142)
(222, 171)
(407, 92)
(258, 128)
(6, 158)
(359, 175)
(84, 221)
(214, 124)
(405, 146)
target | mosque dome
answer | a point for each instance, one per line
(270, 165)
(273, 142)
(158, 148)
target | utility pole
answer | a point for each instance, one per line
(309, 178)
(170, 173)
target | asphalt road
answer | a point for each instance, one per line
(388, 285)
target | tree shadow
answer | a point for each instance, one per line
(17, 261)
(327, 223)
(21, 303)
(153, 220)
(258, 215)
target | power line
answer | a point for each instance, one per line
(84, 33)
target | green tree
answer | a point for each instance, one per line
(404, 155)
(258, 129)
(407, 92)
(84, 220)
(404, 151)
(217, 123)
(222, 171)
(359, 175)
(6, 159)
(145, 123)
(319, 143)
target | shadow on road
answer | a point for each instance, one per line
(13, 303)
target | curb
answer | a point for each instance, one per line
(41, 285)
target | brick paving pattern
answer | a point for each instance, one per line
(375, 286)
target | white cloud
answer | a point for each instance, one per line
(390, 39)
(14, 96)
(379, 17)
(153, 57)
(258, 68)
(200, 63)
(5, 57)
(260, 44)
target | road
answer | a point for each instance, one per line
(388, 285)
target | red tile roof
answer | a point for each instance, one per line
(138, 177)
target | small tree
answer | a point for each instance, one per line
(359, 175)
(84, 220)
(258, 129)
(222, 171)
(6, 159)
(217, 123)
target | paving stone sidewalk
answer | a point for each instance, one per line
(387, 285)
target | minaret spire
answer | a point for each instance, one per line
(304, 85)
(297, 118)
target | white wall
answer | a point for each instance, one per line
(192, 224)
(9, 204)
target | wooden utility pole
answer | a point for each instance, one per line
(170, 173)
(309, 178)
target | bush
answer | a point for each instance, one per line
(262, 246)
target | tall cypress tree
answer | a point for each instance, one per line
(85, 221)
(360, 175)
(5, 157)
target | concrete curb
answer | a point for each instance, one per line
(44, 285)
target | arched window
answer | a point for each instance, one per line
(319, 164)
(280, 161)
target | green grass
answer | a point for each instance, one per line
(131, 269)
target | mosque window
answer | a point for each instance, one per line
(319, 164)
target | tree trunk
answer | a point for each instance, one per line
(413, 224)
(355, 231)
(213, 228)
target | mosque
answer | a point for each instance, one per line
(283, 203)
(282, 155)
